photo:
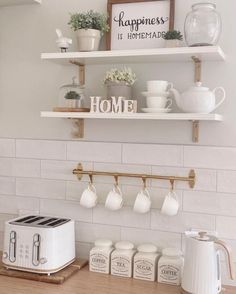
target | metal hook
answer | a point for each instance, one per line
(144, 182)
(172, 182)
(91, 178)
(116, 180)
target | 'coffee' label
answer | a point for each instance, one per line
(98, 261)
(169, 274)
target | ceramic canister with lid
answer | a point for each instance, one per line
(122, 259)
(100, 256)
(170, 266)
(145, 262)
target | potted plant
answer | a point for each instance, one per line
(90, 27)
(119, 82)
(172, 38)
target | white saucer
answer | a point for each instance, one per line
(156, 110)
(156, 94)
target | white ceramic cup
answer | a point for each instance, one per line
(170, 205)
(143, 202)
(89, 197)
(158, 102)
(114, 199)
(158, 86)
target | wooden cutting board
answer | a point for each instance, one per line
(57, 278)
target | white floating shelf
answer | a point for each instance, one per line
(135, 116)
(18, 2)
(180, 54)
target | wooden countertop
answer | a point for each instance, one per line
(85, 282)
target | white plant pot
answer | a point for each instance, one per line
(172, 43)
(118, 90)
(88, 40)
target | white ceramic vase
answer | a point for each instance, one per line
(120, 89)
(172, 43)
(88, 39)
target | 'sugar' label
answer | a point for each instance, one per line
(144, 267)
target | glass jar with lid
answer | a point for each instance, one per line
(170, 266)
(71, 96)
(145, 262)
(100, 256)
(122, 259)
(202, 25)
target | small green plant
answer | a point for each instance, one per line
(89, 20)
(120, 75)
(72, 95)
(173, 35)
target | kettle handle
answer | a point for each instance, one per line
(228, 252)
(223, 97)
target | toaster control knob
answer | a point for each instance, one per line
(43, 260)
(5, 255)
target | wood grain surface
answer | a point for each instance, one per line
(85, 282)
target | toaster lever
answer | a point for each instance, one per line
(12, 247)
(36, 250)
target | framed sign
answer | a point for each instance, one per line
(139, 24)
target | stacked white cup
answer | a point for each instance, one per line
(157, 96)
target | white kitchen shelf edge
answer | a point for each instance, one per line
(179, 54)
(4, 3)
(135, 116)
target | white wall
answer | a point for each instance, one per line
(36, 174)
(28, 85)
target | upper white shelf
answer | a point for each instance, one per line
(135, 116)
(18, 2)
(180, 54)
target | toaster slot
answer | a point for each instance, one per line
(36, 250)
(57, 223)
(43, 223)
(33, 220)
(12, 247)
(21, 220)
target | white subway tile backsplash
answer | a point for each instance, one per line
(226, 181)
(40, 149)
(83, 249)
(61, 170)
(210, 157)
(94, 151)
(7, 185)
(166, 155)
(40, 188)
(226, 227)
(12, 204)
(69, 209)
(87, 232)
(5, 217)
(7, 167)
(160, 239)
(211, 203)
(181, 222)
(27, 168)
(7, 148)
(124, 217)
(205, 179)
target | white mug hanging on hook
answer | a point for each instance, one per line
(114, 199)
(170, 205)
(143, 200)
(89, 197)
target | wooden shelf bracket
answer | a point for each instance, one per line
(198, 68)
(195, 131)
(78, 128)
(81, 71)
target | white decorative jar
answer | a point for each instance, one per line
(145, 262)
(122, 259)
(100, 256)
(170, 266)
(88, 39)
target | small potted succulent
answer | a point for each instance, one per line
(119, 82)
(90, 27)
(172, 38)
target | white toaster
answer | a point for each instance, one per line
(39, 244)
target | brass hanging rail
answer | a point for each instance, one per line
(191, 179)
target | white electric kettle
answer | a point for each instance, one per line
(201, 273)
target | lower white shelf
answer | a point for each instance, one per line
(78, 118)
(136, 116)
(18, 2)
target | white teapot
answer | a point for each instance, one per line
(198, 99)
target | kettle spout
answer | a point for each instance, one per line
(176, 95)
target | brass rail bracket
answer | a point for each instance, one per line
(81, 71)
(191, 179)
